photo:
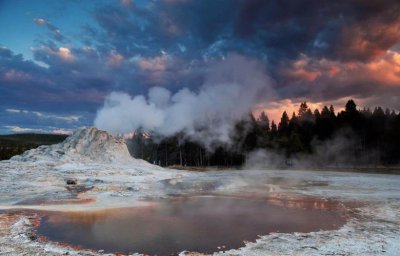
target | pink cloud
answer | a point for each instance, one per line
(40, 21)
(275, 109)
(385, 70)
(369, 40)
(62, 53)
(13, 75)
(301, 69)
(154, 64)
(126, 2)
(65, 54)
(115, 59)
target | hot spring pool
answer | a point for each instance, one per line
(200, 223)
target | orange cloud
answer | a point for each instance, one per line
(332, 71)
(301, 69)
(62, 53)
(275, 109)
(65, 54)
(370, 39)
(115, 59)
(385, 71)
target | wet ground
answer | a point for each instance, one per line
(107, 196)
(201, 224)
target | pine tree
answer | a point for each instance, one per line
(317, 114)
(302, 110)
(332, 111)
(263, 121)
(283, 125)
(274, 129)
(351, 106)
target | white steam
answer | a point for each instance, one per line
(230, 90)
(337, 152)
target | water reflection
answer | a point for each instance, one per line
(201, 224)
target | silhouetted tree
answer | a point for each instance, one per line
(274, 129)
(263, 121)
(284, 123)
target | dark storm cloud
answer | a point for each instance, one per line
(19, 78)
(33, 98)
(374, 28)
(26, 84)
(193, 32)
(345, 30)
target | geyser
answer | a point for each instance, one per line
(231, 88)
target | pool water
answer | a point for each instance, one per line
(201, 224)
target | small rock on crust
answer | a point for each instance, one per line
(72, 181)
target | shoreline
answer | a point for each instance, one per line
(363, 169)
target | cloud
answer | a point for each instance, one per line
(13, 75)
(53, 130)
(376, 31)
(39, 121)
(315, 50)
(54, 31)
(372, 80)
(127, 3)
(50, 54)
(56, 87)
(155, 64)
(300, 69)
(40, 21)
(115, 59)
(21, 129)
(65, 54)
(274, 109)
(62, 131)
(66, 118)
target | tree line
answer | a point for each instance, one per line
(16, 144)
(350, 137)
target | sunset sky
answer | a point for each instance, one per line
(60, 59)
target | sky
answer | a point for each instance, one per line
(59, 60)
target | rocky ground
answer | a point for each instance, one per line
(92, 170)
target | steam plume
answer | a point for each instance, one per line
(231, 88)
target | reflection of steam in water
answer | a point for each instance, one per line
(201, 223)
(258, 184)
(305, 203)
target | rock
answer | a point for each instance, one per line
(72, 181)
(32, 236)
(76, 189)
